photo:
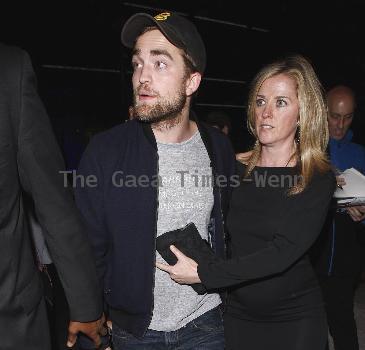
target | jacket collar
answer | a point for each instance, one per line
(345, 140)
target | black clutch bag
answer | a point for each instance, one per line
(188, 241)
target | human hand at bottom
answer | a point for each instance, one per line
(93, 330)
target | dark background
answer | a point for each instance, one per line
(84, 72)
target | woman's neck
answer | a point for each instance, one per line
(277, 156)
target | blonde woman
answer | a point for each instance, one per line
(276, 213)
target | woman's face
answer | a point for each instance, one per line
(277, 111)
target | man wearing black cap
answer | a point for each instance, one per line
(152, 177)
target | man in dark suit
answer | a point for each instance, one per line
(30, 161)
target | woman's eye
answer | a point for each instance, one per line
(260, 102)
(281, 103)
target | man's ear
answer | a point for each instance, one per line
(192, 83)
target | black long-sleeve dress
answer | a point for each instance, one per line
(274, 301)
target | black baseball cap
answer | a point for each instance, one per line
(178, 30)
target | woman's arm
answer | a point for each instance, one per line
(300, 226)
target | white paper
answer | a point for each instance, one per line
(353, 193)
(350, 202)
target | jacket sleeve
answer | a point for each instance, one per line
(89, 199)
(300, 225)
(40, 166)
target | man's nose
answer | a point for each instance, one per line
(145, 76)
(340, 123)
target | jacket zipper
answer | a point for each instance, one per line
(220, 210)
(330, 267)
(154, 242)
(223, 227)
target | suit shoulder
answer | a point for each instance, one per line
(7, 50)
(11, 55)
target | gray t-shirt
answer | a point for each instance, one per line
(186, 195)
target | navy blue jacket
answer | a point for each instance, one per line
(345, 154)
(121, 214)
(337, 252)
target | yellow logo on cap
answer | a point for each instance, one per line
(162, 16)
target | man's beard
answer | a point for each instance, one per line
(164, 113)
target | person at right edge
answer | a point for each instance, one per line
(275, 215)
(336, 255)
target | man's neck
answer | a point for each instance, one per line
(177, 132)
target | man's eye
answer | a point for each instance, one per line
(260, 102)
(339, 116)
(281, 103)
(160, 65)
(136, 65)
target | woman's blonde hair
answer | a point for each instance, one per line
(312, 134)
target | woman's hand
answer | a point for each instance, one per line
(185, 271)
